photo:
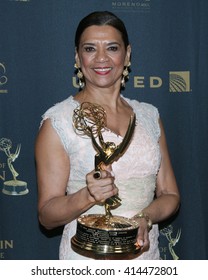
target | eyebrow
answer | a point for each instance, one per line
(93, 44)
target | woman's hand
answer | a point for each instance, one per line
(143, 242)
(102, 187)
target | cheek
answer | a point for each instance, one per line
(118, 60)
(85, 60)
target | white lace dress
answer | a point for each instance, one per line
(135, 171)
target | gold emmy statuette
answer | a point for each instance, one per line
(103, 235)
(12, 187)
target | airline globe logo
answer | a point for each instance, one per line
(179, 81)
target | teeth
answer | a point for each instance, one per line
(103, 69)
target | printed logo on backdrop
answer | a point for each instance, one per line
(179, 81)
(168, 251)
(13, 186)
(131, 5)
(4, 246)
(3, 79)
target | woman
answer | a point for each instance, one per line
(143, 177)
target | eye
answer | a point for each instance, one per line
(89, 49)
(113, 48)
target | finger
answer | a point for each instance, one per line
(110, 189)
(106, 192)
(102, 174)
(143, 240)
(107, 168)
(141, 236)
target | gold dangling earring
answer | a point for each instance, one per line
(80, 76)
(125, 75)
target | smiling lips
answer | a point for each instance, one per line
(103, 71)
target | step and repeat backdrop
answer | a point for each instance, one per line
(169, 69)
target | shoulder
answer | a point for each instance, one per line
(60, 116)
(67, 104)
(61, 109)
(147, 115)
(143, 108)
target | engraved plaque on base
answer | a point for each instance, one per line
(103, 235)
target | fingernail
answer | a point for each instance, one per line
(141, 243)
(112, 174)
(137, 246)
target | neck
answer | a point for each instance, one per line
(109, 97)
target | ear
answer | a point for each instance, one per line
(77, 60)
(128, 55)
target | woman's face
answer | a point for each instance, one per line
(102, 55)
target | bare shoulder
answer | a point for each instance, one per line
(52, 163)
(48, 144)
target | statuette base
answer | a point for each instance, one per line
(98, 235)
(15, 187)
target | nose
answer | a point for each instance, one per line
(101, 56)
